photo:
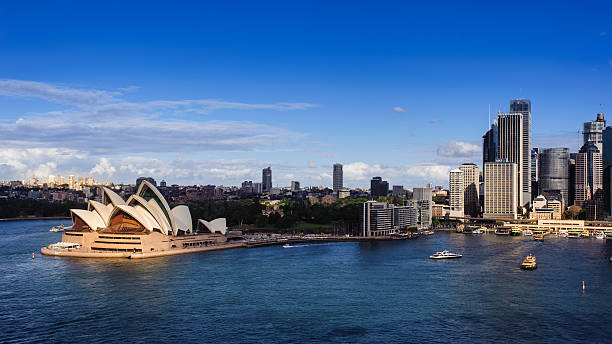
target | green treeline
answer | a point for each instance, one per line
(299, 213)
(10, 208)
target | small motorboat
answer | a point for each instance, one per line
(529, 263)
(287, 246)
(527, 232)
(599, 235)
(58, 228)
(445, 255)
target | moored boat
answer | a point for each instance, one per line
(502, 231)
(599, 235)
(516, 232)
(573, 235)
(585, 234)
(529, 263)
(445, 255)
(287, 246)
(59, 228)
(527, 232)
(538, 237)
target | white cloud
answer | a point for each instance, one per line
(398, 109)
(36, 162)
(53, 93)
(458, 149)
(103, 169)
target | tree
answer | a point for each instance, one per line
(573, 212)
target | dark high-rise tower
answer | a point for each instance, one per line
(379, 187)
(338, 178)
(266, 179)
(554, 174)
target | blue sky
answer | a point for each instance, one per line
(212, 93)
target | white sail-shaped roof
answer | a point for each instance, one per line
(91, 218)
(149, 192)
(103, 210)
(216, 225)
(152, 207)
(182, 219)
(139, 214)
(109, 196)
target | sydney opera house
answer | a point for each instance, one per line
(142, 226)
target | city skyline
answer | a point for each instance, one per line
(205, 102)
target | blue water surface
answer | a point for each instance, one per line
(370, 292)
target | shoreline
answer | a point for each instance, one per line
(227, 246)
(35, 218)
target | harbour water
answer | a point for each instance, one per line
(334, 292)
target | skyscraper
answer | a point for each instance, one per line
(523, 106)
(471, 184)
(266, 179)
(607, 169)
(379, 187)
(338, 178)
(554, 174)
(589, 175)
(457, 192)
(589, 168)
(593, 132)
(500, 199)
(511, 148)
(422, 200)
(535, 172)
(489, 144)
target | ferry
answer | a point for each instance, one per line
(58, 228)
(445, 255)
(287, 246)
(502, 231)
(516, 232)
(573, 235)
(563, 233)
(529, 263)
(585, 234)
(427, 232)
(538, 237)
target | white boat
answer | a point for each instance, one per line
(563, 233)
(445, 255)
(599, 235)
(287, 246)
(527, 232)
(59, 228)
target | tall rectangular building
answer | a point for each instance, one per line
(511, 148)
(500, 190)
(523, 107)
(456, 190)
(338, 178)
(266, 179)
(471, 184)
